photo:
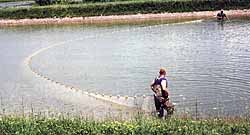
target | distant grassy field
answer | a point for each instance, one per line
(105, 1)
(139, 126)
(1, 1)
(90, 1)
(119, 8)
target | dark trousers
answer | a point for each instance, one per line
(159, 106)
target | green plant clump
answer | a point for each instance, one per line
(142, 126)
(119, 8)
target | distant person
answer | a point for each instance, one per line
(221, 15)
(161, 92)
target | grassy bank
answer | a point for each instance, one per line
(1, 1)
(120, 8)
(143, 126)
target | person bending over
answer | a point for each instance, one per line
(221, 15)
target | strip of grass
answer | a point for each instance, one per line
(105, 1)
(2, 1)
(141, 126)
(120, 8)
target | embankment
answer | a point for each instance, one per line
(137, 18)
(121, 8)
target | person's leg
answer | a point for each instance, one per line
(157, 104)
(161, 113)
(158, 107)
(168, 106)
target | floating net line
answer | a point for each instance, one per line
(144, 102)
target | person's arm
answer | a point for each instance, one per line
(226, 17)
(164, 86)
(219, 16)
(152, 85)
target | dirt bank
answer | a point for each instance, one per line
(124, 18)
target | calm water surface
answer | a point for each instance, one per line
(207, 61)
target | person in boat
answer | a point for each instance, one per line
(221, 15)
(161, 93)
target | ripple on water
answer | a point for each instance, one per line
(203, 59)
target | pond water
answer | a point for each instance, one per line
(207, 61)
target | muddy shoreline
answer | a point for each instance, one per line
(136, 18)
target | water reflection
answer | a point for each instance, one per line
(221, 24)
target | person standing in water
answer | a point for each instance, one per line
(160, 88)
(221, 15)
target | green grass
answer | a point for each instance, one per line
(89, 1)
(139, 126)
(119, 8)
(106, 1)
(1, 1)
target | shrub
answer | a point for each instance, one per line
(118, 8)
(44, 2)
